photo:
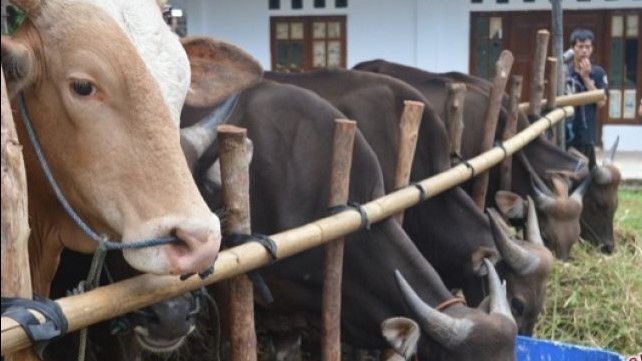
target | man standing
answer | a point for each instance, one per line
(581, 132)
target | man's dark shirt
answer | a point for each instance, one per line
(584, 125)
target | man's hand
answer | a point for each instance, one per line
(585, 68)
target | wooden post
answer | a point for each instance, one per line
(454, 118)
(539, 64)
(502, 70)
(408, 134)
(551, 92)
(509, 130)
(558, 52)
(16, 275)
(344, 132)
(236, 189)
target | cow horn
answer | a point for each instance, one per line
(602, 175)
(533, 234)
(446, 330)
(498, 300)
(515, 256)
(609, 157)
(543, 200)
(578, 193)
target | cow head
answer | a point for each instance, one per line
(103, 84)
(527, 266)
(486, 333)
(600, 203)
(559, 213)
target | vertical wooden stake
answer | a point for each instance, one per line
(509, 130)
(551, 91)
(455, 118)
(557, 26)
(16, 274)
(502, 70)
(235, 179)
(344, 132)
(539, 65)
(408, 134)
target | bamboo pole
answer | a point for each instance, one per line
(502, 70)
(455, 118)
(509, 130)
(16, 275)
(141, 291)
(539, 65)
(588, 97)
(344, 131)
(235, 177)
(408, 134)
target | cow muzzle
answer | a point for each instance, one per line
(195, 251)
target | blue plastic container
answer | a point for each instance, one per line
(533, 349)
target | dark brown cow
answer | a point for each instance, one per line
(449, 229)
(291, 130)
(559, 212)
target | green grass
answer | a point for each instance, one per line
(596, 300)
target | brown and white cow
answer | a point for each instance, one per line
(103, 84)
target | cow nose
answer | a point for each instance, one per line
(196, 250)
(607, 248)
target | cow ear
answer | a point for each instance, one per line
(560, 184)
(477, 259)
(219, 70)
(18, 64)
(510, 205)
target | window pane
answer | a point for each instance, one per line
(318, 51)
(617, 26)
(318, 30)
(281, 55)
(334, 53)
(334, 29)
(629, 104)
(296, 31)
(282, 31)
(631, 26)
(296, 56)
(630, 62)
(274, 4)
(616, 71)
(319, 3)
(495, 28)
(297, 4)
(615, 104)
(341, 3)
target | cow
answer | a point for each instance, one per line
(103, 83)
(600, 202)
(449, 229)
(559, 212)
(291, 130)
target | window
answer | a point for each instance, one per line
(274, 4)
(297, 4)
(308, 42)
(341, 3)
(623, 72)
(319, 3)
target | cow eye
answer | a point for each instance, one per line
(518, 306)
(83, 87)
